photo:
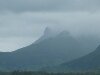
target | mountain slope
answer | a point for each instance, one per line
(55, 50)
(89, 62)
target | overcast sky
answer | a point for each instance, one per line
(23, 21)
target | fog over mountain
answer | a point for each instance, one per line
(49, 35)
(22, 22)
(49, 50)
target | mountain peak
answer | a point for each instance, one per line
(47, 34)
(64, 33)
(47, 31)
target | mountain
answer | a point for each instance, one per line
(90, 62)
(47, 52)
(90, 42)
(47, 34)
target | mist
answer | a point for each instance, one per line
(25, 21)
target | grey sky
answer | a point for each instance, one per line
(49, 5)
(23, 21)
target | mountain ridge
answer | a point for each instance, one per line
(48, 52)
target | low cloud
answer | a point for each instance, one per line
(49, 5)
(79, 17)
(32, 24)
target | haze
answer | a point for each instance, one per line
(23, 21)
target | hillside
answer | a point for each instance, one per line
(90, 62)
(48, 52)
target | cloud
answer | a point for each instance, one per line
(20, 25)
(32, 24)
(49, 5)
(21, 29)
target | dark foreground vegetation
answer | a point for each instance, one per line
(45, 73)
